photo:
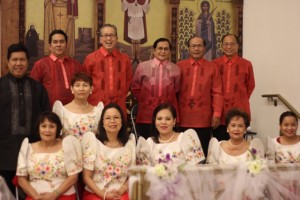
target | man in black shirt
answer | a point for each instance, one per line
(22, 99)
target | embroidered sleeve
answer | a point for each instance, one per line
(213, 152)
(257, 144)
(132, 143)
(143, 152)
(58, 109)
(89, 150)
(270, 152)
(22, 159)
(191, 147)
(72, 155)
(100, 107)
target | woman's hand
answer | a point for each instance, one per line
(37, 197)
(123, 189)
(112, 195)
(49, 196)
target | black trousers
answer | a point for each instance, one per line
(221, 133)
(144, 130)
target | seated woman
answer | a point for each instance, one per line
(48, 169)
(236, 149)
(107, 156)
(286, 147)
(79, 116)
(166, 143)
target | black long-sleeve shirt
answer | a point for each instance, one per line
(21, 102)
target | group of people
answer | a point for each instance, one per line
(85, 141)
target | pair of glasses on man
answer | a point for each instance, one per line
(108, 35)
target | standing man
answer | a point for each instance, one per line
(200, 96)
(155, 81)
(110, 69)
(237, 78)
(56, 70)
(22, 99)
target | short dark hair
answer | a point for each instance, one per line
(19, 47)
(235, 36)
(123, 136)
(161, 40)
(52, 117)
(287, 114)
(163, 106)
(57, 31)
(110, 26)
(81, 76)
(189, 40)
(235, 112)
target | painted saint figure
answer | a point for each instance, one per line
(31, 41)
(135, 31)
(205, 28)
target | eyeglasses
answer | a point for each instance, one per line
(108, 35)
(194, 46)
(229, 44)
(163, 49)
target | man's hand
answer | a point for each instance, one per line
(215, 122)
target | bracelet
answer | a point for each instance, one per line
(57, 193)
(104, 196)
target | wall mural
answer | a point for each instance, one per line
(139, 22)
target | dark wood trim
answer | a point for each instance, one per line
(99, 20)
(22, 11)
(173, 30)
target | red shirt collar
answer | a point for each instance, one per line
(157, 62)
(105, 52)
(54, 58)
(233, 59)
(193, 61)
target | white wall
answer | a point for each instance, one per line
(272, 44)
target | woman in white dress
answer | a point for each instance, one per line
(167, 144)
(48, 169)
(107, 156)
(79, 116)
(286, 147)
(236, 150)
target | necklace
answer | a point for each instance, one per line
(113, 145)
(236, 145)
(168, 140)
(81, 106)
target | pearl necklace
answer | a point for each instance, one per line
(81, 106)
(167, 141)
(236, 145)
(113, 145)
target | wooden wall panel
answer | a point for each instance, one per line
(9, 29)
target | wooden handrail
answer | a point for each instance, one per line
(283, 100)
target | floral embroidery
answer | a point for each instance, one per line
(78, 124)
(194, 150)
(108, 170)
(286, 157)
